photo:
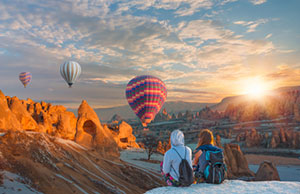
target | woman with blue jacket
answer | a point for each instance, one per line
(205, 143)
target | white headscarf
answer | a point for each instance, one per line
(177, 138)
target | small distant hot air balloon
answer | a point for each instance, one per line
(25, 78)
(70, 71)
(146, 95)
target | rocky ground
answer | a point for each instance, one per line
(233, 187)
(54, 165)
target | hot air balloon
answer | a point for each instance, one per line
(70, 71)
(25, 78)
(146, 95)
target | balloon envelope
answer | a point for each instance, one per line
(70, 71)
(25, 78)
(146, 95)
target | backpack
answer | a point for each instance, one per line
(211, 167)
(185, 171)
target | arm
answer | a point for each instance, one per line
(196, 159)
(167, 163)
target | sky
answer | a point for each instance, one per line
(203, 50)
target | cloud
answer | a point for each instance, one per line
(204, 30)
(181, 7)
(251, 25)
(258, 2)
(226, 48)
(285, 75)
(268, 36)
(115, 41)
(190, 91)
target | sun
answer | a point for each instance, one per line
(255, 87)
(256, 90)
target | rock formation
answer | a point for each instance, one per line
(218, 141)
(116, 118)
(90, 133)
(87, 130)
(207, 113)
(8, 120)
(252, 138)
(24, 117)
(160, 148)
(267, 172)
(279, 139)
(66, 124)
(188, 116)
(122, 134)
(237, 165)
(47, 161)
(163, 116)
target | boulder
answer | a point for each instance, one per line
(282, 136)
(240, 137)
(267, 172)
(55, 112)
(90, 133)
(273, 143)
(44, 122)
(24, 117)
(252, 138)
(30, 108)
(125, 135)
(122, 134)
(8, 120)
(66, 125)
(237, 165)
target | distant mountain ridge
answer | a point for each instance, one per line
(242, 98)
(105, 114)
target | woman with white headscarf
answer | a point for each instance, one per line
(173, 157)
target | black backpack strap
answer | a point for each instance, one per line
(178, 153)
(174, 171)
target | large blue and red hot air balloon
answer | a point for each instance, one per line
(25, 78)
(70, 71)
(146, 95)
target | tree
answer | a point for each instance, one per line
(150, 143)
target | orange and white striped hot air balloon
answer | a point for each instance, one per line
(70, 71)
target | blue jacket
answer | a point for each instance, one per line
(207, 147)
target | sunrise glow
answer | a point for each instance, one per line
(256, 87)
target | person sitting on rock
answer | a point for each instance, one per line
(208, 162)
(176, 167)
